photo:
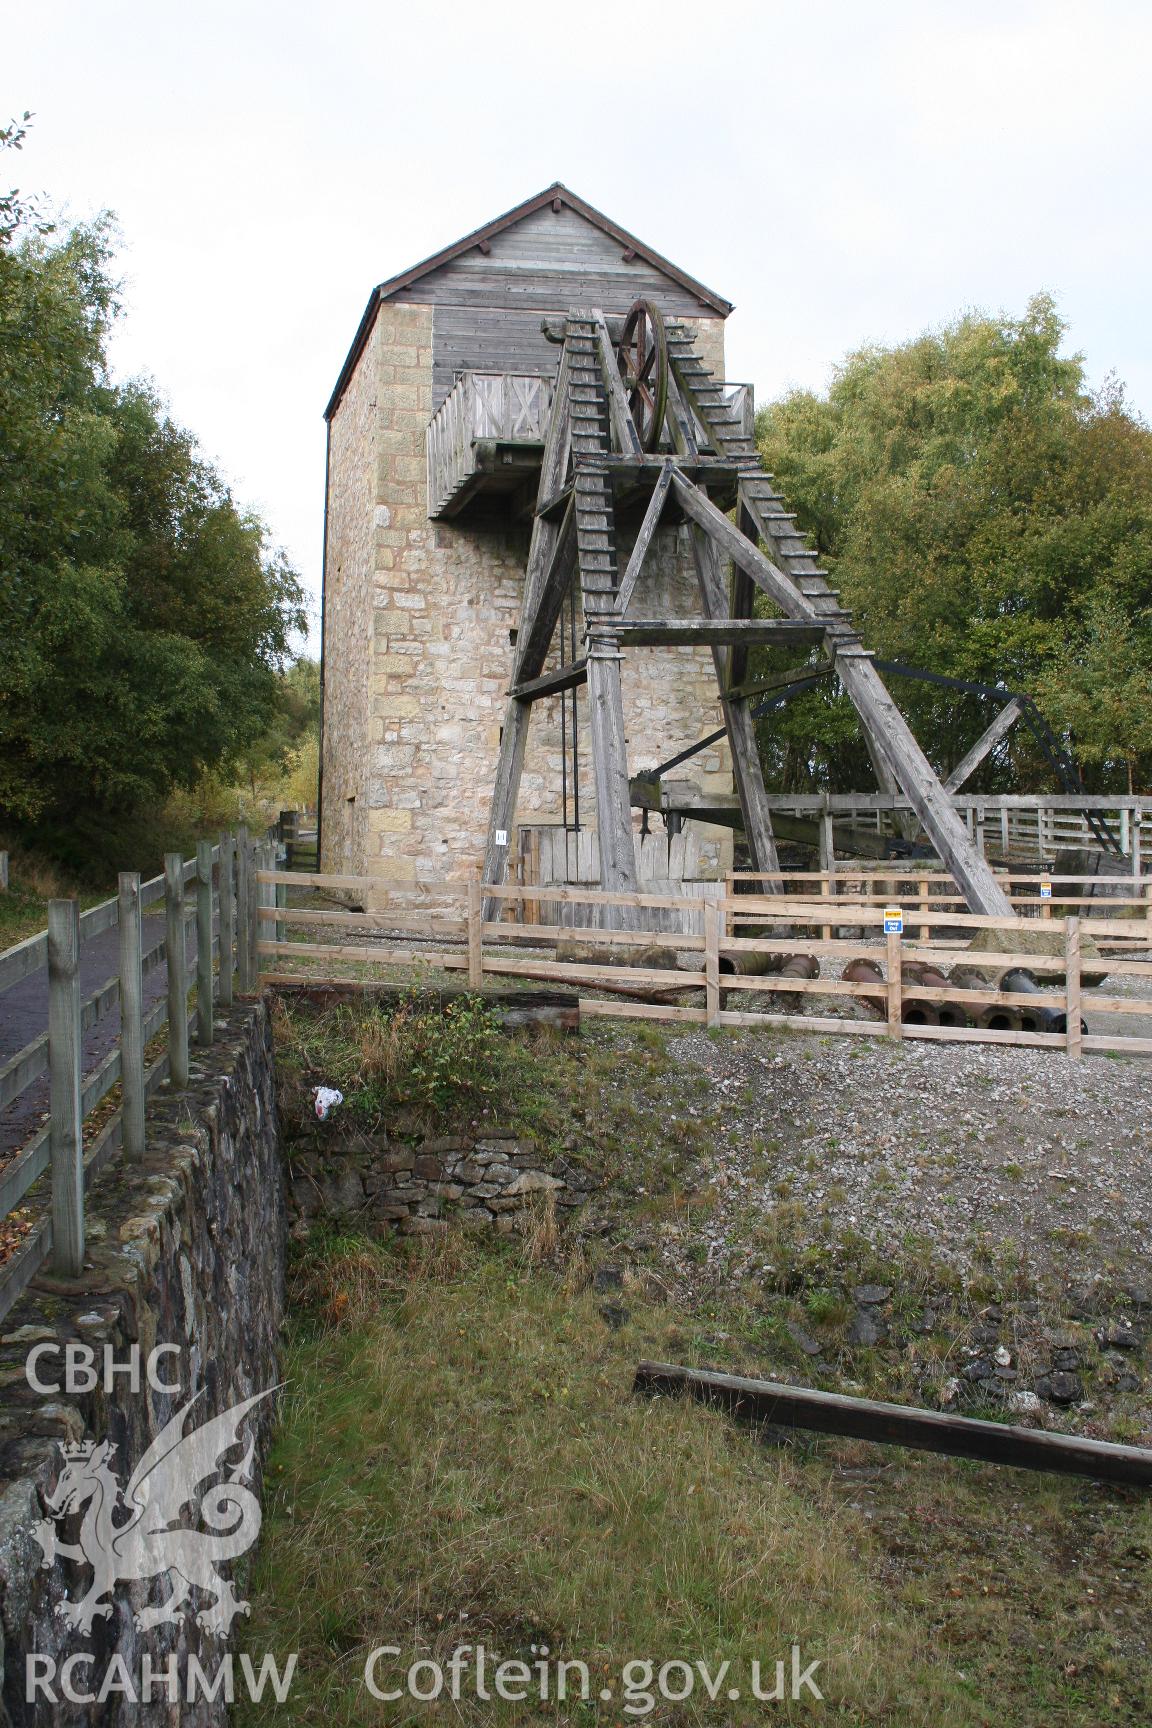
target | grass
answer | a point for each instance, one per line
(461, 1460)
(33, 881)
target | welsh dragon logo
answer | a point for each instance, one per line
(134, 1533)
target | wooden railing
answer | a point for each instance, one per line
(1003, 825)
(455, 936)
(510, 407)
(223, 906)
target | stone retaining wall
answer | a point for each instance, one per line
(186, 1249)
(421, 1188)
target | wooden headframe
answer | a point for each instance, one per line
(592, 443)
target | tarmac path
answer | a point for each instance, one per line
(24, 1016)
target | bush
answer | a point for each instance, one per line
(417, 1054)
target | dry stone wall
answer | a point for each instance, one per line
(424, 1186)
(184, 1250)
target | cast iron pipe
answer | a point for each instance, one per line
(1036, 1017)
(991, 1015)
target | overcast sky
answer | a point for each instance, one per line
(843, 172)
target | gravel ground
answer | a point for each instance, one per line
(964, 1151)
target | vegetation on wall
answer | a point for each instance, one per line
(987, 517)
(146, 617)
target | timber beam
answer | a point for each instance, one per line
(984, 745)
(711, 632)
(552, 683)
(899, 1424)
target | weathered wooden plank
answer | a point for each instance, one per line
(899, 1424)
(177, 959)
(741, 729)
(713, 632)
(18, 1073)
(987, 742)
(131, 1016)
(591, 1007)
(23, 959)
(67, 1117)
(627, 437)
(895, 961)
(227, 895)
(1072, 950)
(536, 932)
(644, 538)
(367, 951)
(610, 770)
(606, 977)
(512, 1007)
(553, 683)
(204, 923)
(431, 918)
(505, 790)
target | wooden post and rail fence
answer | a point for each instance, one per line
(719, 943)
(238, 900)
(220, 892)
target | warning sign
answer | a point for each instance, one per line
(893, 921)
(1045, 889)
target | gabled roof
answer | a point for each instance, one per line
(557, 194)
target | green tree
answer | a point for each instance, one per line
(145, 616)
(986, 517)
(295, 725)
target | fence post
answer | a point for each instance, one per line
(280, 896)
(1137, 845)
(227, 900)
(895, 985)
(265, 895)
(827, 858)
(288, 831)
(475, 934)
(176, 954)
(712, 961)
(66, 1130)
(203, 942)
(3, 870)
(131, 1017)
(244, 910)
(1074, 1036)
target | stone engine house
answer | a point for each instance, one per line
(435, 436)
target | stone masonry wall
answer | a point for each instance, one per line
(434, 636)
(350, 560)
(420, 1187)
(186, 1249)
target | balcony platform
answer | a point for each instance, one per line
(487, 437)
(486, 441)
